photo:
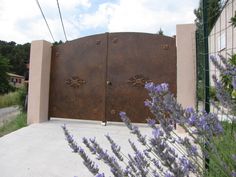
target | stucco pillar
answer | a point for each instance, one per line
(186, 65)
(39, 76)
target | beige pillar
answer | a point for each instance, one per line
(39, 76)
(186, 65)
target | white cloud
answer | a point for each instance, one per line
(22, 21)
(141, 15)
(99, 18)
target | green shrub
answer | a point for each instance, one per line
(226, 145)
(14, 98)
(213, 94)
(8, 99)
(200, 92)
(22, 92)
(19, 122)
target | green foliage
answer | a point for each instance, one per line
(160, 32)
(22, 92)
(198, 14)
(14, 98)
(19, 122)
(213, 94)
(4, 68)
(200, 92)
(57, 43)
(227, 80)
(9, 99)
(17, 55)
(233, 21)
(214, 10)
(227, 146)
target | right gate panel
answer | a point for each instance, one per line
(133, 59)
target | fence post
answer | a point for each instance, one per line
(206, 56)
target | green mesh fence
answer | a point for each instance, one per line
(221, 40)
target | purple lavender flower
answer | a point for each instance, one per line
(109, 160)
(162, 88)
(155, 174)
(151, 122)
(189, 110)
(146, 153)
(115, 148)
(157, 164)
(192, 119)
(122, 114)
(161, 150)
(186, 166)
(73, 145)
(148, 103)
(233, 174)
(100, 175)
(234, 82)
(192, 151)
(157, 133)
(234, 157)
(203, 124)
(134, 129)
(87, 144)
(169, 174)
(140, 163)
(218, 129)
(150, 86)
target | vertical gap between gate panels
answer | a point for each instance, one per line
(106, 78)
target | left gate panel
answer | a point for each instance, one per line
(77, 84)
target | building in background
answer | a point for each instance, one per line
(222, 38)
(16, 80)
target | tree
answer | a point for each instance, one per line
(4, 68)
(58, 43)
(213, 13)
(160, 32)
(214, 10)
(233, 21)
(17, 54)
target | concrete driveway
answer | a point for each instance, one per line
(40, 150)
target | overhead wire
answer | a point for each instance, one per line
(45, 20)
(58, 6)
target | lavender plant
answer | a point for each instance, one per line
(164, 153)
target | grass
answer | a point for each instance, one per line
(226, 145)
(19, 122)
(9, 99)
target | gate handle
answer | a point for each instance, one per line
(109, 83)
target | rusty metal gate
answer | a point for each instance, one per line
(98, 76)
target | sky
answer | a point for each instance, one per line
(21, 20)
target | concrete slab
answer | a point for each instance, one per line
(40, 150)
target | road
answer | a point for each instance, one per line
(8, 113)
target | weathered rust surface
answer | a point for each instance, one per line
(133, 59)
(98, 76)
(77, 86)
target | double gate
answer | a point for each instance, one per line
(98, 76)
